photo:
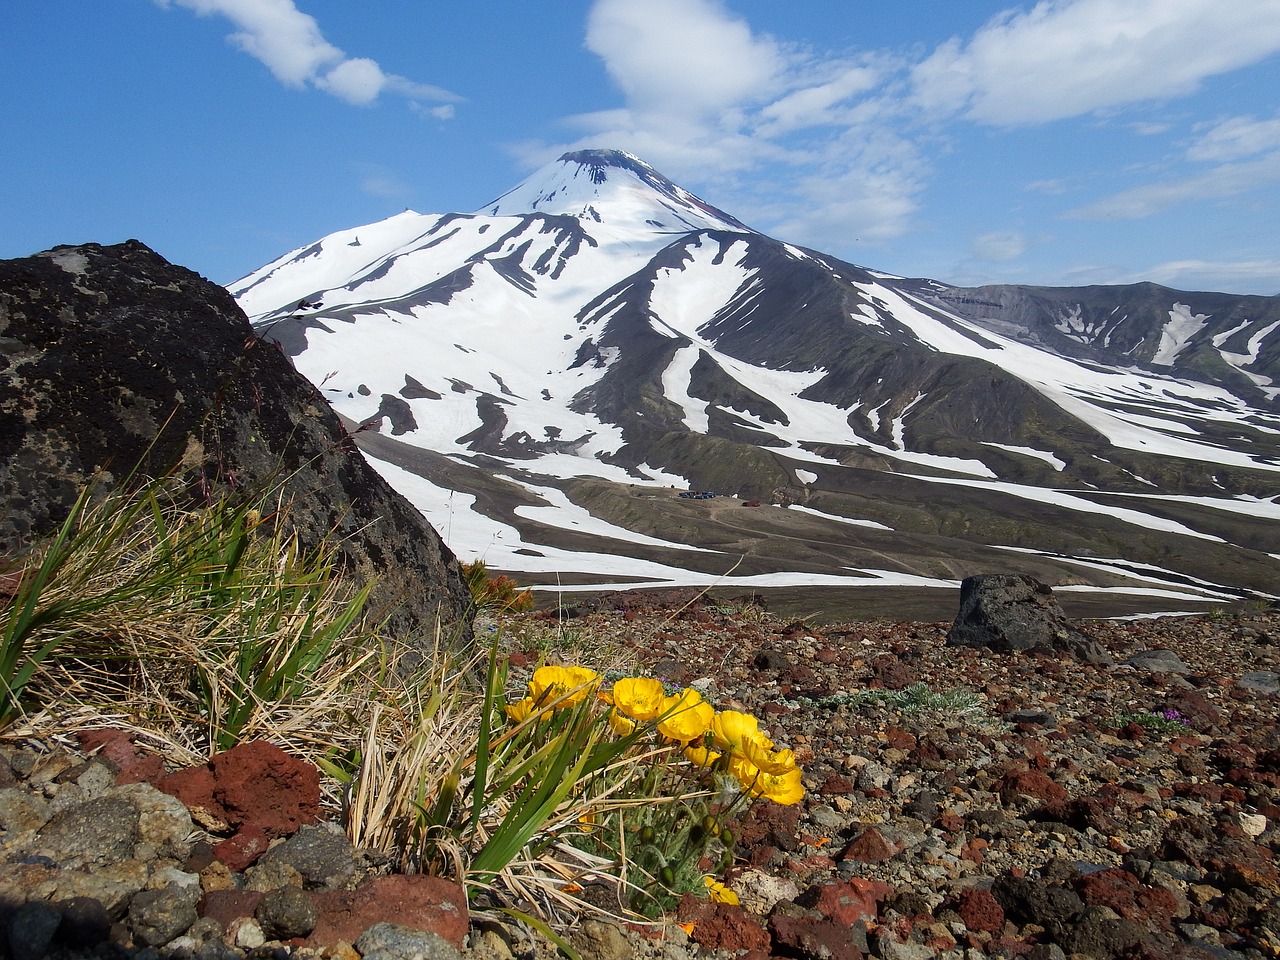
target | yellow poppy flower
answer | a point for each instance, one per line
(573, 684)
(620, 724)
(718, 892)
(640, 698)
(520, 710)
(775, 762)
(732, 730)
(784, 788)
(700, 756)
(685, 717)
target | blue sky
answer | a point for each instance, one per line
(1060, 142)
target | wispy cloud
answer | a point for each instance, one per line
(291, 45)
(1235, 138)
(999, 246)
(707, 97)
(1243, 276)
(1067, 58)
(1226, 180)
(683, 57)
(845, 140)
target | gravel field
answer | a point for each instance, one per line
(989, 804)
(959, 804)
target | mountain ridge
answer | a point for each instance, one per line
(599, 321)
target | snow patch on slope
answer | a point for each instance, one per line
(1177, 333)
(1056, 462)
(676, 380)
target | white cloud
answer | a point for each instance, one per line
(357, 81)
(682, 57)
(1065, 58)
(1235, 139)
(707, 99)
(817, 105)
(290, 44)
(833, 150)
(1227, 180)
(998, 246)
(444, 111)
(1055, 187)
(864, 189)
(869, 206)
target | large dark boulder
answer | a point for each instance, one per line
(113, 360)
(1012, 613)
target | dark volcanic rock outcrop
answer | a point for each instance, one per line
(113, 359)
(1009, 613)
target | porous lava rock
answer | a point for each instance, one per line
(254, 785)
(979, 910)
(723, 926)
(115, 362)
(414, 900)
(1011, 613)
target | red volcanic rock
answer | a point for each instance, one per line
(848, 902)
(1236, 760)
(1202, 792)
(1129, 897)
(896, 737)
(414, 900)
(870, 846)
(979, 910)
(835, 785)
(1241, 862)
(974, 850)
(417, 901)
(243, 849)
(1080, 813)
(815, 938)
(1029, 783)
(1197, 710)
(118, 749)
(255, 784)
(889, 672)
(722, 926)
(771, 824)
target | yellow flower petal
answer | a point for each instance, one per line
(778, 763)
(700, 756)
(520, 710)
(568, 685)
(621, 725)
(783, 788)
(685, 717)
(640, 698)
(732, 730)
(718, 892)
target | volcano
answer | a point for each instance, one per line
(546, 376)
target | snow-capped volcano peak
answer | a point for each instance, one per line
(611, 186)
(537, 376)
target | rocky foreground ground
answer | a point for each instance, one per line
(1064, 808)
(960, 804)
